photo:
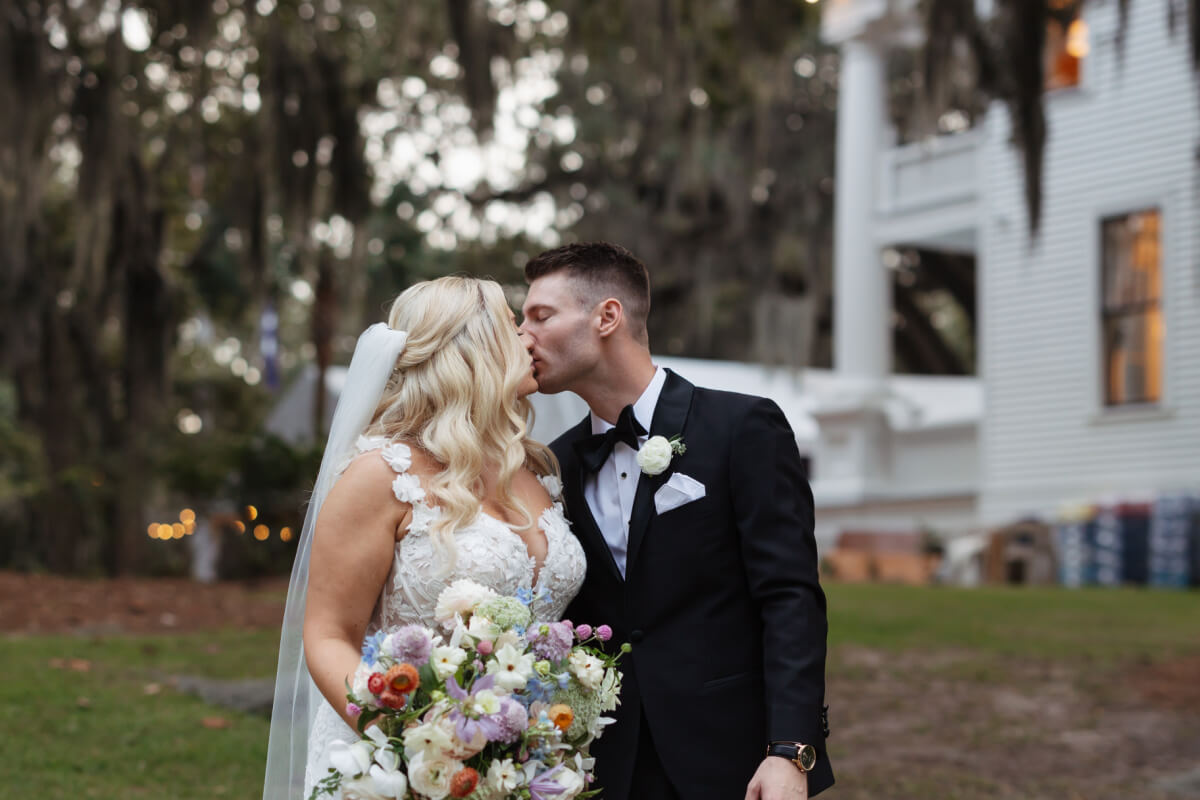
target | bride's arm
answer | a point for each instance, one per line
(353, 545)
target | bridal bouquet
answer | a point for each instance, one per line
(492, 706)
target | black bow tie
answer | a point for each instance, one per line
(595, 450)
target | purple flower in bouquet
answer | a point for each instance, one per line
(512, 720)
(552, 641)
(543, 786)
(412, 643)
(468, 727)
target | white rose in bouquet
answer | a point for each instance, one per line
(572, 783)
(430, 775)
(460, 598)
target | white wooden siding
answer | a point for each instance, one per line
(1126, 139)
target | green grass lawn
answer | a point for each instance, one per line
(72, 734)
(1096, 625)
(100, 734)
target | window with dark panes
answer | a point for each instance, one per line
(1132, 308)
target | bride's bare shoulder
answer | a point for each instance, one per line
(366, 477)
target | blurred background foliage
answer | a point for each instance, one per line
(201, 198)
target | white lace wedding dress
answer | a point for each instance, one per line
(489, 553)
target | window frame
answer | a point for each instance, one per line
(1131, 310)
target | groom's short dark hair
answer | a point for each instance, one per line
(604, 270)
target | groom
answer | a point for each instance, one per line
(702, 555)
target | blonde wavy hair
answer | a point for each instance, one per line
(454, 394)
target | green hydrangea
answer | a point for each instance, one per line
(584, 704)
(506, 612)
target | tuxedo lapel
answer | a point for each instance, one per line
(586, 529)
(670, 415)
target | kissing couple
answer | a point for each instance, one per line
(679, 515)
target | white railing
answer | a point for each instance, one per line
(942, 171)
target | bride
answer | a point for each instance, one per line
(428, 476)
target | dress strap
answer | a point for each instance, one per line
(407, 486)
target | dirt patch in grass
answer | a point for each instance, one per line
(915, 724)
(49, 604)
(1172, 684)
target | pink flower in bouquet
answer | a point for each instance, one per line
(512, 720)
(583, 631)
(353, 710)
(413, 644)
(604, 633)
(484, 648)
(552, 641)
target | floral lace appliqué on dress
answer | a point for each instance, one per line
(489, 552)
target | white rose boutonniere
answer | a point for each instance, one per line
(655, 455)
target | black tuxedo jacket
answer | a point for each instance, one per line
(720, 600)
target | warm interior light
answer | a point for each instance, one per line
(285, 534)
(1077, 39)
(261, 532)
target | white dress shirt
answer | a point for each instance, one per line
(610, 491)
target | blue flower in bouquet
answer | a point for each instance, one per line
(538, 689)
(527, 596)
(371, 645)
(551, 640)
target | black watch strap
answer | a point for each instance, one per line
(794, 752)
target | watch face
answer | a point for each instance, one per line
(807, 757)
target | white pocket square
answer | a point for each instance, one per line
(679, 490)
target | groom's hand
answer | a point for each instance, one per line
(777, 779)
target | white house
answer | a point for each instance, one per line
(1089, 336)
